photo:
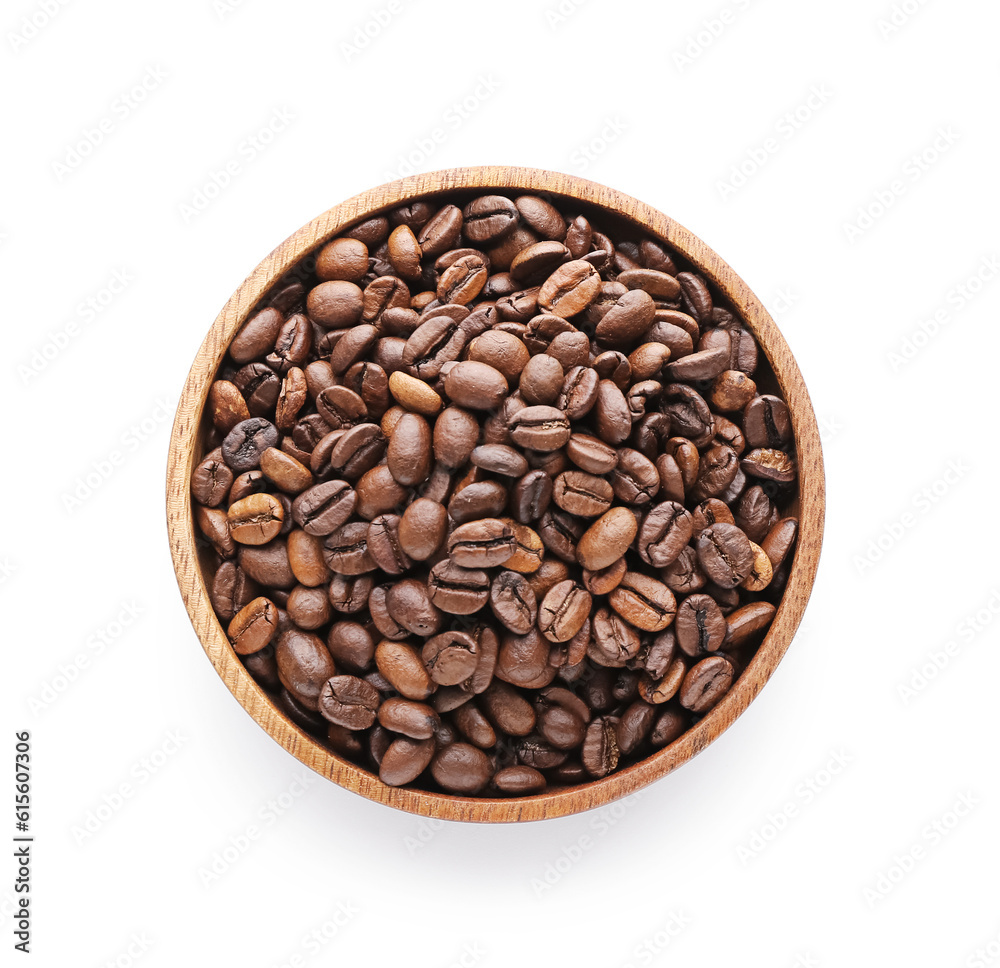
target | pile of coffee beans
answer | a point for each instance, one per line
(492, 500)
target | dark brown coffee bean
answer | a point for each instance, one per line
(635, 479)
(591, 454)
(604, 580)
(256, 336)
(442, 232)
(341, 408)
(410, 454)
(474, 726)
(422, 529)
(482, 499)
(530, 497)
(345, 549)
(627, 321)
(268, 564)
(518, 781)
(611, 418)
(284, 471)
(635, 726)
(342, 259)
(476, 386)
(706, 683)
(212, 479)
(746, 622)
(456, 433)
(414, 719)
(696, 297)
(349, 593)
(324, 507)
(700, 625)
(353, 453)
(335, 305)
(384, 547)
(489, 218)
(754, 513)
(779, 541)
(600, 747)
(351, 646)
(231, 589)
(304, 666)
(665, 532)
(349, 701)
(378, 493)
(513, 602)
(245, 443)
(725, 554)
(543, 217)
(584, 495)
(523, 660)
(613, 641)
(540, 428)
(457, 590)
(410, 605)
(293, 345)
(560, 533)
(500, 459)
(404, 760)
(507, 709)
(463, 280)
(541, 380)
(460, 767)
(485, 543)
(385, 293)
(438, 340)
(253, 627)
(563, 611)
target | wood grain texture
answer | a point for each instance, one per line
(186, 445)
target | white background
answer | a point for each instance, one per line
(694, 872)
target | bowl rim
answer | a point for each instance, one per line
(180, 519)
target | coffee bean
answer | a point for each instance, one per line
(226, 406)
(477, 500)
(304, 666)
(401, 665)
(335, 305)
(349, 701)
(725, 554)
(353, 453)
(604, 580)
(476, 386)
(614, 641)
(345, 549)
(461, 768)
(384, 546)
(422, 529)
(584, 495)
(458, 590)
(627, 321)
(485, 543)
(245, 443)
(404, 760)
(541, 380)
(530, 496)
(747, 622)
(563, 611)
(378, 492)
(409, 454)
(607, 539)
(600, 752)
(523, 660)
(256, 336)
(665, 532)
(769, 464)
(706, 683)
(513, 602)
(643, 602)
(611, 418)
(253, 627)
(635, 479)
(779, 540)
(284, 471)
(503, 351)
(489, 218)
(570, 289)
(700, 625)
(529, 550)
(255, 520)
(345, 259)
(540, 428)
(268, 564)
(351, 646)
(212, 479)
(324, 507)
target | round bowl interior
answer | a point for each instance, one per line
(616, 209)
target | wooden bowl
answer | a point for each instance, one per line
(186, 451)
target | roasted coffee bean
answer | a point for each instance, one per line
(706, 683)
(643, 602)
(500, 459)
(540, 428)
(513, 602)
(304, 666)
(700, 625)
(245, 443)
(746, 622)
(627, 321)
(518, 781)
(400, 663)
(607, 539)
(530, 497)
(559, 533)
(378, 492)
(769, 464)
(541, 380)
(256, 337)
(611, 418)
(600, 752)
(351, 646)
(409, 604)
(634, 726)
(613, 640)
(754, 512)
(635, 479)
(665, 533)
(569, 289)
(779, 540)
(614, 366)
(456, 433)
(414, 719)
(345, 550)
(335, 305)
(253, 627)
(212, 479)
(584, 495)
(342, 259)
(409, 454)
(404, 760)
(732, 390)
(458, 590)
(268, 564)
(761, 573)
(384, 546)
(350, 453)
(591, 454)
(476, 386)
(480, 499)
(725, 554)
(256, 519)
(489, 218)
(422, 529)
(563, 611)
(349, 701)
(461, 768)
(604, 580)
(284, 471)
(523, 660)
(226, 406)
(503, 351)
(324, 507)
(485, 543)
